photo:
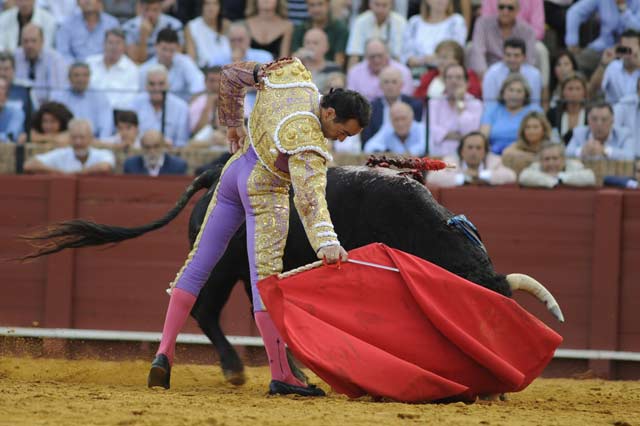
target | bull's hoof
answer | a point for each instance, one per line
(277, 387)
(160, 373)
(236, 378)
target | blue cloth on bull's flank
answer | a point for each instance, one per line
(463, 224)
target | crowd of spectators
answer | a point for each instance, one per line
(508, 90)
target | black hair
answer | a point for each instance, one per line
(167, 35)
(126, 116)
(515, 43)
(553, 83)
(631, 34)
(58, 110)
(471, 134)
(600, 105)
(348, 104)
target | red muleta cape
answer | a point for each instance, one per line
(423, 334)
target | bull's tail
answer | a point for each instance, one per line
(82, 233)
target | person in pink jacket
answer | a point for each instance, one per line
(475, 165)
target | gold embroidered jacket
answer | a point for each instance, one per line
(285, 131)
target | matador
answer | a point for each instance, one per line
(286, 145)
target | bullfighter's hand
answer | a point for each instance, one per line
(333, 253)
(235, 138)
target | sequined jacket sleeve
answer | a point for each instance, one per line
(235, 78)
(308, 171)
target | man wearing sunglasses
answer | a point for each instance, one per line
(490, 33)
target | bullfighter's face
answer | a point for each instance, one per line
(333, 130)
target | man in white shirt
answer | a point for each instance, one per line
(405, 136)
(621, 75)
(113, 72)
(15, 19)
(377, 22)
(79, 158)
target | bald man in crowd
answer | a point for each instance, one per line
(391, 81)
(312, 54)
(79, 158)
(405, 136)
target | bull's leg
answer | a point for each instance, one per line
(213, 297)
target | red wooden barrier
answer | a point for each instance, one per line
(584, 245)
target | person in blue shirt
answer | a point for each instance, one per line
(614, 17)
(501, 120)
(405, 136)
(82, 34)
(11, 116)
(89, 104)
(185, 78)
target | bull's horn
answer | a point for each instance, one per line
(530, 285)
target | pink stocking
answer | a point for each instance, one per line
(179, 307)
(276, 353)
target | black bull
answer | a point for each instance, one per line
(366, 205)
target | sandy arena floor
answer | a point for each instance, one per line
(59, 392)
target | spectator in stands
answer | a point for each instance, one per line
(621, 75)
(337, 32)
(553, 169)
(563, 66)
(334, 80)
(432, 84)
(113, 72)
(529, 11)
(534, 132)
(269, 28)
(515, 51)
(82, 34)
(615, 16)
(435, 23)
(185, 78)
(205, 36)
(391, 84)
(627, 115)
(454, 114)
(50, 124)
(501, 120)
(14, 20)
(241, 49)
(11, 116)
(297, 11)
(364, 76)
(142, 31)
(404, 136)
(555, 12)
(44, 68)
(79, 158)
(601, 139)
(571, 108)
(380, 23)
(203, 110)
(127, 131)
(475, 165)
(19, 94)
(154, 160)
(312, 55)
(629, 182)
(88, 104)
(490, 33)
(159, 110)
(59, 9)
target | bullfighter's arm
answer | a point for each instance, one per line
(235, 78)
(308, 172)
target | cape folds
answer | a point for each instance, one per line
(421, 334)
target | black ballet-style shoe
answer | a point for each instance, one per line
(160, 373)
(276, 387)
